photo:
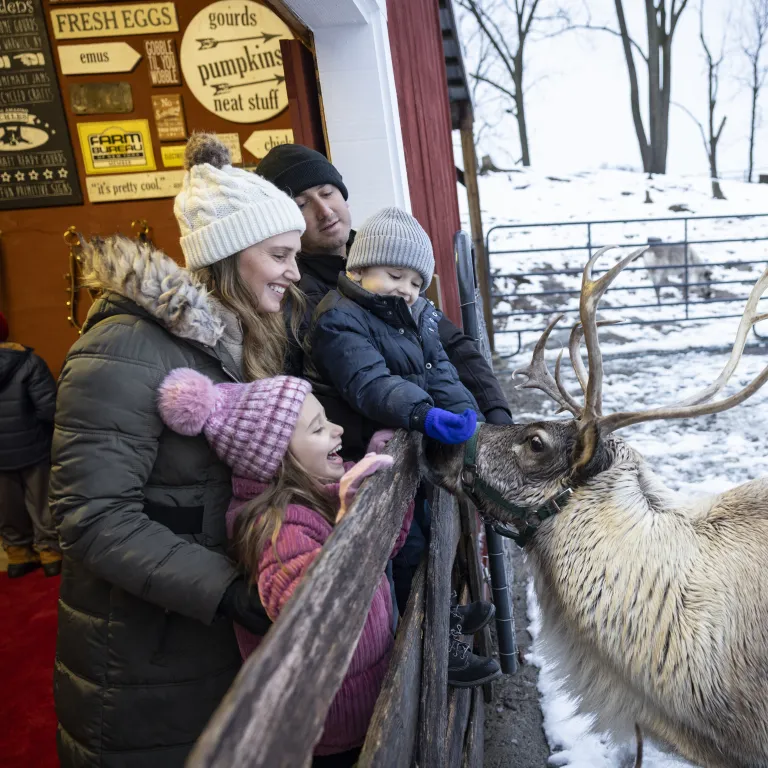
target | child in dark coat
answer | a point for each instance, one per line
(375, 360)
(373, 347)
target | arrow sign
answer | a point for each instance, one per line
(97, 58)
(219, 88)
(206, 43)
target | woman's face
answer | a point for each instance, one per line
(269, 267)
(316, 442)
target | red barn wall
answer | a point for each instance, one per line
(422, 96)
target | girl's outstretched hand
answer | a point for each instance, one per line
(380, 439)
(353, 478)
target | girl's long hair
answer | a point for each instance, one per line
(265, 337)
(258, 524)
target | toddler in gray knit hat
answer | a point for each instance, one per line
(392, 256)
(373, 348)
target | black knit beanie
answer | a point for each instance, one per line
(295, 168)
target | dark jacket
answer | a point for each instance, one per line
(142, 659)
(382, 360)
(319, 275)
(27, 406)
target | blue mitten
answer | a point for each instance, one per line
(450, 428)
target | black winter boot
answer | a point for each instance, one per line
(465, 669)
(469, 619)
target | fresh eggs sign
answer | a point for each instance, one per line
(231, 60)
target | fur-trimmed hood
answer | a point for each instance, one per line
(155, 282)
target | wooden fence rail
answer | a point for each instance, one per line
(273, 715)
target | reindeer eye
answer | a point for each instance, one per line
(536, 443)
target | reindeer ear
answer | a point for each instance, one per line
(585, 449)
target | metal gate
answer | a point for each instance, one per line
(693, 272)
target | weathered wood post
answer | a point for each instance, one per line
(444, 538)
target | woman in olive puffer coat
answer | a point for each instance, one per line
(146, 647)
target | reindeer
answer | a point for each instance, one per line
(665, 261)
(654, 605)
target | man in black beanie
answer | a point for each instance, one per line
(319, 191)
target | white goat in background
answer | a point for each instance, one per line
(667, 261)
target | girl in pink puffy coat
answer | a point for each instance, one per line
(286, 477)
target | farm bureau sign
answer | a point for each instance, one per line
(231, 60)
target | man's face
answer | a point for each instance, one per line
(326, 214)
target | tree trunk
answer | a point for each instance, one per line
(666, 98)
(655, 109)
(717, 192)
(753, 120)
(634, 89)
(522, 126)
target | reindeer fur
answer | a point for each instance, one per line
(654, 607)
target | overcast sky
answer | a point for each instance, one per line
(578, 104)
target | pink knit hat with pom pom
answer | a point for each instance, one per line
(248, 425)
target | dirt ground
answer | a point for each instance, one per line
(513, 733)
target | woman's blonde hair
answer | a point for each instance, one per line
(258, 524)
(265, 337)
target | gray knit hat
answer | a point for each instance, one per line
(393, 238)
(221, 210)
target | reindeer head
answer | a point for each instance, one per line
(526, 465)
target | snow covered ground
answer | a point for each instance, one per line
(517, 204)
(703, 455)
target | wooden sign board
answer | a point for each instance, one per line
(169, 117)
(162, 61)
(173, 155)
(260, 142)
(114, 20)
(138, 186)
(119, 144)
(37, 164)
(231, 60)
(101, 98)
(97, 58)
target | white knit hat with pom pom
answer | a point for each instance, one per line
(221, 209)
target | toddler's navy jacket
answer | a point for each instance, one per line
(374, 363)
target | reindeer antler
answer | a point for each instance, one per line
(699, 404)
(749, 319)
(574, 342)
(591, 293)
(540, 378)
(591, 381)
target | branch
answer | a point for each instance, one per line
(716, 137)
(595, 28)
(481, 16)
(480, 78)
(695, 120)
(675, 16)
(531, 16)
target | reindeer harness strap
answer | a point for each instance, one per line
(477, 489)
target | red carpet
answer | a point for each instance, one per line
(27, 650)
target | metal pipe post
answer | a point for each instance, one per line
(505, 622)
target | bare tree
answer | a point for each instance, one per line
(711, 137)
(662, 17)
(505, 28)
(755, 40)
